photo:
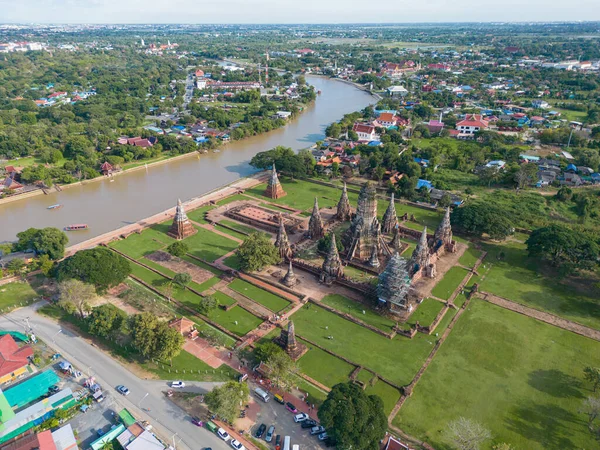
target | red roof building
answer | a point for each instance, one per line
(13, 359)
(10, 183)
(40, 441)
(199, 73)
(471, 124)
(106, 168)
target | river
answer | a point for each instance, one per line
(106, 206)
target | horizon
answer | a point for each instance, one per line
(262, 12)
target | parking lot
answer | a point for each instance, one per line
(98, 416)
(273, 413)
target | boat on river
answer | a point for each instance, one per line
(76, 227)
(57, 206)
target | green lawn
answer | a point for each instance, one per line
(426, 312)
(268, 300)
(470, 257)
(205, 285)
(232, 198)
(187, 367)
(238, 226)
(365, 376)
(236, 320)
(301, 194)
(516, 278)
(389, 394)
(356, 309)
(315, 395)
(208, 245)
(397, 359)
(425, 217)
(232, 261)
(519, 377)
(446, 286)
(15, 293)
(138, 245)
(197, 215)
(324, 368)
(224, 299)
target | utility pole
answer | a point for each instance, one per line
(570, 136)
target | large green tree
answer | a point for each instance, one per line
(75, 296)
(352, 418)
(565, 248)
(256, 252)
(105, 319)
(143, 332)
(99, 266)
(225, 400)
(46, 241)
(482, 218)
(283, 370)
(168, 342)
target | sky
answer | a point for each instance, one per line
(294, 11)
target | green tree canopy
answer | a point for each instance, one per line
(182, 279)
(99, 266)
(105, 319)
(565, 248)
(178, 249)
(46, 241)
(481, 218)
(225, 400)
(75, 295)
(352, 418)
(256, 252)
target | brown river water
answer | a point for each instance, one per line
(106, 205)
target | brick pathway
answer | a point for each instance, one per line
(540, 315)
(204, 351)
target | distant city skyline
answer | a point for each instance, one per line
(308, 11)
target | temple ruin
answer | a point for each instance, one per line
(274, 189)
(287, 341)
(316, 230)
(344, 210)
(289, 279)
(181, 227)
(332, 265)
(390, 219)
(394, 285)
(282, 242)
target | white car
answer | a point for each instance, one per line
(237, 445)
(223, 434)
(177, 384)
(300, 417)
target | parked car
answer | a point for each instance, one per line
(277, 440)
(279, 399)
(53, 389)
(177, 384)
(300, 417)
(223, 434)
(317, 430)
(197, 421)
(308, 423)
(270, 432)
(237, 445)
(261, 430)
(323, 436)
(122, 390)
(290, 407)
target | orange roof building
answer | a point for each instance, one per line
(13, 359)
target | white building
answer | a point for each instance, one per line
(397, 91)
(365, 132)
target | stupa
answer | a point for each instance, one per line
(287, 341)
(344, 211)
(315, 224)
(394, 284)
(290, 277)
(332, 265)
(282, 242)
(181, 227)
(274, 189)
(390, 220)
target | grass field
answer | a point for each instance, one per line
(323, 367)
(470, 257)
(15, 293)
(187, 367)
(315, 395)
(397, 359)
(238, 226)
(224, 299)
(232, 261)
(426, 312)
(236, 320)
(387, 393)
(356, 309)
(268, 300)
(197, 215)
(516, 278)
(138, 245)
(449, 283)
(208, 245)
(519, 377)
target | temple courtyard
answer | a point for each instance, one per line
(403, 312)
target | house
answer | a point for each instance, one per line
(546, 177)
(540, 104)
(397, 91)
(424, 184)
(498, 164)
(201, 83)
(386, 120)
(10, 184)
(365, 132)
(570, 179)
(199, 73)
(395, 444)
(64, 439)
(106, 168)
(435, 126)
(39, 441)
(183, 326)
(471, 124)
(395, 70)
(437, 194)
(13, 359)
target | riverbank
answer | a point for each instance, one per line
(213, 196)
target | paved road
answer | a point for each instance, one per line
(170, 422)
(189, 91)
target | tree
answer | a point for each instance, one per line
(182, 279)
(178, 249)
(526, 174)
(105, 319)
(143, 332)
(592, 374)
(168, 342)
(466, 434)
(445, 201)
(564, 194)
(225, 400)
(75, 295)
(15, 266)
(283, 370)
(352, 418)
(98, 266)
(489, 175)
(565, 248)
(256, 252)
(264, 351)
(47, 241)
(45, 264)
(208, 304)
(479, 218)
(591, 408)
(325, 242)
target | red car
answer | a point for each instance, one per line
(291, 407)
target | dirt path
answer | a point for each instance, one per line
(540, 315)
